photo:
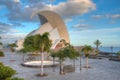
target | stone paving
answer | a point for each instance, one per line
(100, 70)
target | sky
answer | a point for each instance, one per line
(86, 20)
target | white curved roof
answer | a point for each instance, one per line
(55, 21)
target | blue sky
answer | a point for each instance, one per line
(86, 20)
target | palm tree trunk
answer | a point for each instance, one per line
(12, 56)
(47, 56)
(74, 64)
(80, 63)
(97, 47)
(42, 59)
(53, 64)
(61, 67)
(86, 62)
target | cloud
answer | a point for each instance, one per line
(74, 7)
(37, 1)
(105, 30)
(111, 16)
(115, 16)
(97, 16)
(17, 1)
(79, 27)
(10, 38)
(4, 28)
(68, 19)
(66, 9)
(99, 32)
(7, 28)
(20, 13)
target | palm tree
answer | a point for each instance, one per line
(61, 55)
(44, 45)
(12, 48)
(71, 53)
(40, 43)
(80, 60)
(87, 50)
(97, 43)
(23, 52)
(53, 54)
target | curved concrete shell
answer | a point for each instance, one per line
(51, 22)
(56, 22)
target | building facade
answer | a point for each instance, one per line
(50, 22)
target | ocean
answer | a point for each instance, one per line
(108, 49)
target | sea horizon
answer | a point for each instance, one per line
(108, 49)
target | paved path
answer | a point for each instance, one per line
(100, 70)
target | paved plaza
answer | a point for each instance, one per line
(100, 70)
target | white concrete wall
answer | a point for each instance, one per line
(54, 35)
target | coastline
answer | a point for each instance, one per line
(108, 49)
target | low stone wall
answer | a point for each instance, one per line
(68, 68)
(114, 59)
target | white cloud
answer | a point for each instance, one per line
(115, 16)
(16, 1)
(14, 31)
(80, 25)
(74, 7)
(99, 31)
(97, 16)
(10, 38)
(8, 28)
(112, 16)
(66, 9)
(27, 6)
(68, 20)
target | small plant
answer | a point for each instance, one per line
(1, 54)
(118, 53)
(1, 64)
(6, 72)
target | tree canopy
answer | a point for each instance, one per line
(97, 43)
(37, 42)
(87, 49)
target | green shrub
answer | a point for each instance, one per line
(1, 64)
(118, 53)
(14, 79)
(6, 72)
(1, 54)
